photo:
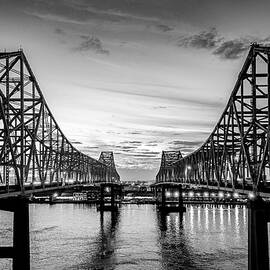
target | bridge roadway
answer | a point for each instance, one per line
(247, 192)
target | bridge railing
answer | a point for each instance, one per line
(236, 154)
(33, 149)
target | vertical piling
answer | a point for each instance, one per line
(258, 216)
(20, 252)
(180, 198)
(101, 199)
(21, 241)
(163, 197)
(112, 196)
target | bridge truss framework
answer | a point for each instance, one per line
(33, 149)
(236, 154)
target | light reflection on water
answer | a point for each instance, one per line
(67, 236)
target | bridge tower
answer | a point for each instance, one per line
(110, 188)
(168, 190)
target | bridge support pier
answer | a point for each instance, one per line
(20, 252)
(171, 197)
(258, 216)
(114, 191)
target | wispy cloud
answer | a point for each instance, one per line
(164, 28)
(75, 142)
(60, 31)
(200, 101)
(232, 49)
(159, 107)
(186, 143)
(203, 40)
(224, 48)
(92, 43)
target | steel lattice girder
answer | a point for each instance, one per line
(168, 158)
(33, 149)
(107, 158)
(237, 151)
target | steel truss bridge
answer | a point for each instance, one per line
(34, 153)
(236, 155)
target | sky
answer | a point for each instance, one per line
(135, 76)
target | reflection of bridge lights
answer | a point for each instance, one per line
(251, 195)
(176, 194)
(228, 195)
(168, 194)
(213, 194)
(220, 194)
(205, 194)
(191, 194)
(235, 195)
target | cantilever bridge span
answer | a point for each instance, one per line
(237, 153)
(34, 153)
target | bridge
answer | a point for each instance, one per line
(236, 155)
(35, 155)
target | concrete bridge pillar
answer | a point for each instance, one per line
(112, 197)
(180, 198)
(258, 216)
(20, 252)
(101, 199)
(169, 198)
(163, 196)
(113, 191)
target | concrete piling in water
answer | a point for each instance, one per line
(258, 217)
(20, 252)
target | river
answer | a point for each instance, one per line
(76, 236)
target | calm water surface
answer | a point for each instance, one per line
(76, 236)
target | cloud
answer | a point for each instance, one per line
(76, 142)
(224, 48)
(204, 40)
(160, 95)
(137, 143)
(186, 143)
(90, 147)
(60, 32)
(135, 133)
(92, 43)
(184, 146)
(151, 144)
(232, 49)
(159, 107)
(164, 28)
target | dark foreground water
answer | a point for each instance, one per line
(74, 236)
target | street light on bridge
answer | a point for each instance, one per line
(205, 194)
(220, 194)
